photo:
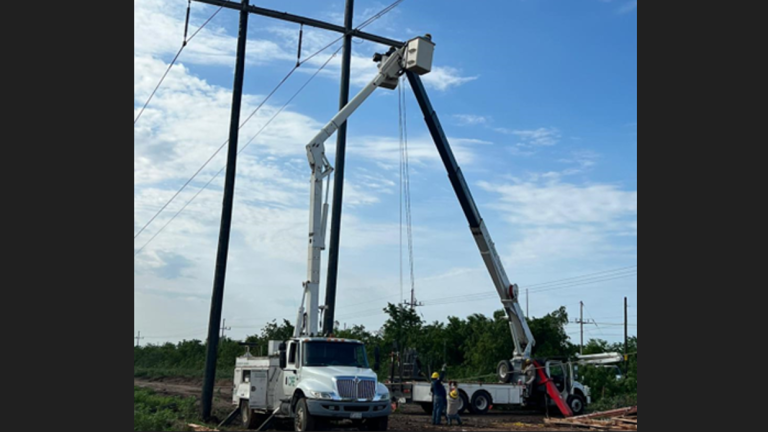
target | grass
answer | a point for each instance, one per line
(154, 373)
(614, 402)
(152, 412)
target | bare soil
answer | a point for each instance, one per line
(406, 418)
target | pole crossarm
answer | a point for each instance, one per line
(285, 16)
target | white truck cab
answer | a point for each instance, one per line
(311, 380)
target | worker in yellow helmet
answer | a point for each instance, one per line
(453, 407)
(438, 396)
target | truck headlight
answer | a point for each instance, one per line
(383, 396)
(323, 395)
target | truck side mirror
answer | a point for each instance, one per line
(283, 357)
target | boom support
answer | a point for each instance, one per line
(508, 293)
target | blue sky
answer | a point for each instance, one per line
(538, 99)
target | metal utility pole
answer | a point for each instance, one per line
(338, 184)
(224, 328)
(226, 220)
(526, 303)
(138, 338)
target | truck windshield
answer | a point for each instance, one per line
(335, 354)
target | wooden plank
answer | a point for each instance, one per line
(610, 413)
(200, 428)
(627, 420)
(572, 423)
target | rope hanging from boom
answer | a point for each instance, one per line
(405, 195)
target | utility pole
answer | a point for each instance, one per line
(338, 183)
(138, 338)
(581, 325)
(224, 327)
(625, 336)
(226, 219)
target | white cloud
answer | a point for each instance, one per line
(628, 7)
(470, 119)
(421, 150)
(445, 77)
(552, 203)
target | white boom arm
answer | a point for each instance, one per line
(391, 67)
(508, 293)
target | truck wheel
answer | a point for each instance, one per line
(247, 417)
(576, 403)
(504, 371)
(304, 421)
(464, 404)
(481, 402)
(427, 407)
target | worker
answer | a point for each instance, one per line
(438, 396)
(530, 377)
(453, 407)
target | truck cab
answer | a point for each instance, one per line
(312, 381)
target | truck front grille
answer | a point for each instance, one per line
(365, 388)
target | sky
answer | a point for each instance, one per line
(538, 99)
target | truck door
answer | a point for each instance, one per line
(290, 373)
(556, 372)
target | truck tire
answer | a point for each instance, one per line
(481, 402)
(377, 424)
(464, 406)
(303, 421)
(247, 418)
(504, 371)
(576, 403)
(427, 407)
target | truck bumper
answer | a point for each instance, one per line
(329, 408)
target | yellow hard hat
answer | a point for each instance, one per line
(435, 375)
(454, 394)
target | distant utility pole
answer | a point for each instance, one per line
(224, 327)
(625, 335)
(138, 338)
(581, 323)
(526, 303)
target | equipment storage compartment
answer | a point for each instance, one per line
(258, 397)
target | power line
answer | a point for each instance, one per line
(491, 294)
(367, 22)
(184, 44)
(239, 151)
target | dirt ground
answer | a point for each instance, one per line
(408, 417)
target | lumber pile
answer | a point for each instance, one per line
(196, 427)
(613, 420)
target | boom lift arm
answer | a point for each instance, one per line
(508, 293)
(416, 55)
